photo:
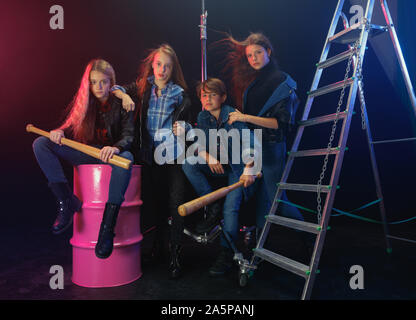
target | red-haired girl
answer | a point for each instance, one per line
(96, 118)
(268, 102)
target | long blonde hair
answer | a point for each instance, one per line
(82, 114)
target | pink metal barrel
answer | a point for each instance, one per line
(91, 183)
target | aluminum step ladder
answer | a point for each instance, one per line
(357, 34)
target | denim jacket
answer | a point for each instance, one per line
(206, 121)
(282, 104)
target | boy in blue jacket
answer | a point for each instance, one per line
(219, 156)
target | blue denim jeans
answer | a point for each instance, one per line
(197, 174)
(274, 155)
(48, 155)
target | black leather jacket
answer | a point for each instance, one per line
(119, 125)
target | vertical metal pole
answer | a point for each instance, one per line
(203, 27)
(371, 149)
(397, 48)
(375, 173)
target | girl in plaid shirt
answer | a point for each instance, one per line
(159, 99)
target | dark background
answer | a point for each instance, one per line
(41, 68)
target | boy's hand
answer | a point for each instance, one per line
(216, 168)
(248, 179)
(178, 129)
(214, 165)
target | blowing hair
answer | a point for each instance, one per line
(241, 73)
(83, 108)
(145, 70)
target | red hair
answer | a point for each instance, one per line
(82, 114)
(242, 74)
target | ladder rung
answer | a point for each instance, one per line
(315, 152)
(331, 87)
(304, 187)
(283, 262)
(335, 59)
(294, 224)
(322, 119)
(353, 33)
(348, 30)
(378, 27)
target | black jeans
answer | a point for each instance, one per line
(164, 187)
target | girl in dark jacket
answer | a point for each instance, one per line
(162, 110)
(96, 118)
(268, 99)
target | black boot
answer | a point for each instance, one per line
(224, 262)
(213, 218)
(156, 255)
(104, 246)
(175, 268)
(68, 205)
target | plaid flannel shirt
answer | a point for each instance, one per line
(159, 118)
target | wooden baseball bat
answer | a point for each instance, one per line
(190, 207)
(91, 151)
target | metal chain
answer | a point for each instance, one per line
(360, 81)
(361, 91)
(334, 127)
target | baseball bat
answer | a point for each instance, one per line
(190, 207)
(91, 151)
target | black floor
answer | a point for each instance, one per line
(30, 250)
